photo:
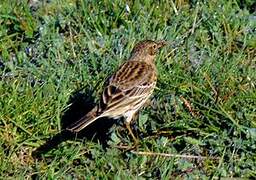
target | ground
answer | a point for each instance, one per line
(55, 56)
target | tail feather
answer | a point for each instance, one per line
(84, 121)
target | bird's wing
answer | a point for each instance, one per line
(128, 87)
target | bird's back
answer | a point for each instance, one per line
(131, 84)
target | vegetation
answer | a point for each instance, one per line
(55, 55)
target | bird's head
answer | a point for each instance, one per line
(146, 50)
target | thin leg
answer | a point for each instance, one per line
(128, 126)
(128, 121)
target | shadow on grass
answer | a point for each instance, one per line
(81, 104)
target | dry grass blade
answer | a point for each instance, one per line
(171, 155)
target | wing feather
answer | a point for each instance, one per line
(129, 86)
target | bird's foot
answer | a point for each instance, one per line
(128, 147)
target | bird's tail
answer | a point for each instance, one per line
(84, 121)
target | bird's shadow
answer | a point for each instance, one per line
(80, 104)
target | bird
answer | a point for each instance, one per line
(126, 90)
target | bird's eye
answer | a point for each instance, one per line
(153, 49)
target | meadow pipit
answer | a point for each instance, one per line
(127, 89)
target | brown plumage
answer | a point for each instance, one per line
(128, 89)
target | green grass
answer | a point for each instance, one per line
(55, 55)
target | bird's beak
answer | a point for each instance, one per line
(161, 43)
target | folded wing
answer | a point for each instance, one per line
(128, 88)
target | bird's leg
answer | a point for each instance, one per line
(128, 126)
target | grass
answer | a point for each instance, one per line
(54, 56)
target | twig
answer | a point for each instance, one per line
(171, 155)
(188, 106)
